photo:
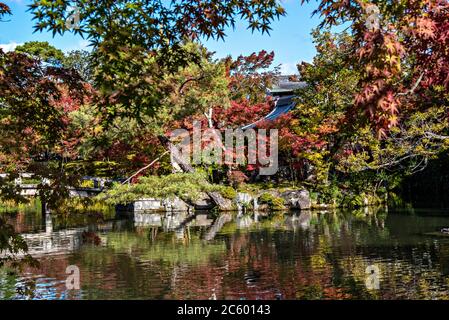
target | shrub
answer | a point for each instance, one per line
(87, 184)
(186, 186)
(274, 203)
(237, 178)
(228, 192)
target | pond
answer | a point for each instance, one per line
(365, 254)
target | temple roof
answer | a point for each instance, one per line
(285, 86)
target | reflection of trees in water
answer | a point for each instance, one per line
(13, 252)
(41, 241)
(325, 260)
(307, 256)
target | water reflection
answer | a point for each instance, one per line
(240, 256)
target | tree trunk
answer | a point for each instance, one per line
(216, 197)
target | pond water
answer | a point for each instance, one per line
(367, 254)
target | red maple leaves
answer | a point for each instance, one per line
(405, 57)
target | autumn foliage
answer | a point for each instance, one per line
(403, 59)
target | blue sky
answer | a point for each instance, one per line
(290, 38)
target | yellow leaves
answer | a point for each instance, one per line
(395, 130)
(318, 261)
(390, 47)
(131, 156)
(394, 121)
(328, 127)
(354, 162)
(295, 123)
(394, 61)
(97, 130)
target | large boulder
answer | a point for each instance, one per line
(226, 205)
(176, 205)
(297, 199)
(153, 205)
(147, 204)
(204, 202)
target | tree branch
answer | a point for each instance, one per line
(435, 136)
(415, 86)
(145, 168)
(181, 88)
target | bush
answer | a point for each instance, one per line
(228, 192)
(87, 184)
(354, 200)
(275, 203)
(186, 186)
(237, 178)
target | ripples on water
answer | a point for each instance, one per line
(301, 256)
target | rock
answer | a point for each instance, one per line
(149, 204)
(204, 202)
(264, 207)
(176, 205)
(243, 199)
(152, 205)
(226, 205)
(297, 199)
(256, 205)
(222, 203)
(210, 200)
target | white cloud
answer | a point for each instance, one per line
(83, 44)
(288, 69)
(80, 45)
(9, 46)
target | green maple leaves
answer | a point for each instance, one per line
(126, 35)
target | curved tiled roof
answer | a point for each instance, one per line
(283, 94)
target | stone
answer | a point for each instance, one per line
(204, 202)
(152, 204)
(226, 205)
(147, 204)
(243, 199)
(175, 205)
(297, 199)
